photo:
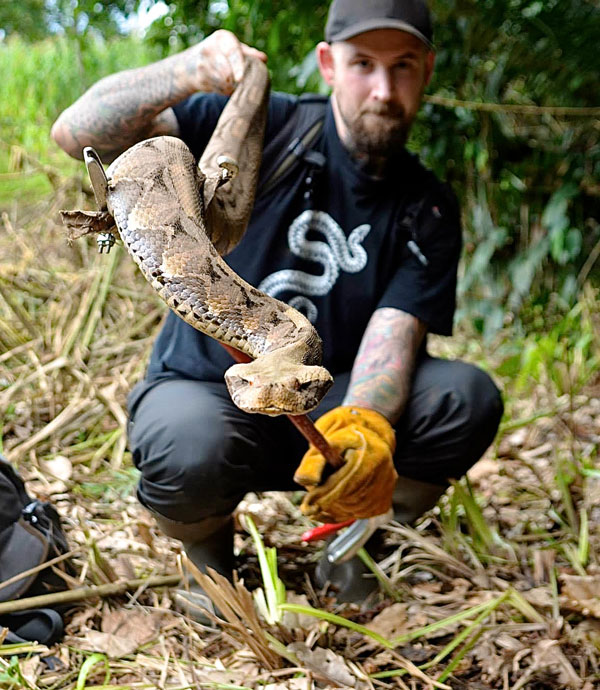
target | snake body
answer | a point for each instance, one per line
(177, 219)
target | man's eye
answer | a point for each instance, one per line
(406, 65)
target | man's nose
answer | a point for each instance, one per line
(382, 88)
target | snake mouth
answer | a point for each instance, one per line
(290, 394)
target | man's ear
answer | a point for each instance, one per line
(429, 63)
(325, 61)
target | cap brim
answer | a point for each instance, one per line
(382, 23)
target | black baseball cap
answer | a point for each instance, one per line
(348, 18)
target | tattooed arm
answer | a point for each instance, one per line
(135, 104)
(383, 368)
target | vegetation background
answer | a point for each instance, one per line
(511, 119)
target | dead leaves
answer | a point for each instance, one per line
(547, 656)
(581, 594)
(124, 631)
(391, 622)
(235, 605)
(327, 665)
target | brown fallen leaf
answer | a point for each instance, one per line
(581, 594)
(298, 620)
(59, 468)
(114, 646)
(326, 664)
(291, 684)
(548, 654)
(482, 469)
(123, 631)
(391, 622)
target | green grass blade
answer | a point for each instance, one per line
(337, 620)
(440, 625)
(384, 581)
(459, 657)
(87, 666)
(273, 586)
(454, 643)
(583, 550)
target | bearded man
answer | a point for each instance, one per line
(359, 236)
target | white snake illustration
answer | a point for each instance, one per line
(338, 253)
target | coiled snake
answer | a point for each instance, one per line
(177, 218)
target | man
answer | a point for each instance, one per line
(367, 247)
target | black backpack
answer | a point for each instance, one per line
(30, 534)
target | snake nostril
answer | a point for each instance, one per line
(305, 386)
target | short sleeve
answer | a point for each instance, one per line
(426, 286)
(197, 117)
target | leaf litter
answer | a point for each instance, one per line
(499, 589)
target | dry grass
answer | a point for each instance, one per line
(498, 587)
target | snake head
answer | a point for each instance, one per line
(274, 387)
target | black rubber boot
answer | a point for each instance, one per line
(208, 544)
(412, 498)
(352, 581)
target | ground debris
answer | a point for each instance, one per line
(69, 357)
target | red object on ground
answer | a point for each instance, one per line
(324, 530)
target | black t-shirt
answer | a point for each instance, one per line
(337, 260)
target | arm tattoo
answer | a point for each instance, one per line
(126, 107)
(383, 368)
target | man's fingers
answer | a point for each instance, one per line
(227, 56)
(249, 51)
(311, 468)
(236, 60)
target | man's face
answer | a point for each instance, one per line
(378, 79)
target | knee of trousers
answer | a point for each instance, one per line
(476, 411)
(186, 474)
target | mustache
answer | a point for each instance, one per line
(383, 110)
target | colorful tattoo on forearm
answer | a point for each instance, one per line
(383, 368)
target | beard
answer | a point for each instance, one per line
(376, 133)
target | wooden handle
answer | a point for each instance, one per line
(302, 422)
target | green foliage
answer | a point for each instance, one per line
(272, 594)
(27, 18)
(527, 181)
(12, 677)
(35, 19)
(286, 32)
(562, 356)
(44, 79)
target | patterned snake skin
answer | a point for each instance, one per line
(176, 219)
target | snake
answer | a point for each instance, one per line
(178, 218)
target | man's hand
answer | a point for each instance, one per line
(136, 104)
(363, 486)
(217, 63)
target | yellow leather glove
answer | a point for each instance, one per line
(363, 486)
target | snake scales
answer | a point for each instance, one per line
(176, 219)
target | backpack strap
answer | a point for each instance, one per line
(293, 142)
(409, 225)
